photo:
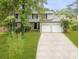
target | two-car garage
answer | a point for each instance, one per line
(51, 27)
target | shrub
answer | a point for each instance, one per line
(27, 28)
(73, 24)
(75, 27)
(65, 24)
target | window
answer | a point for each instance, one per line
(16, 15)
(34, 16)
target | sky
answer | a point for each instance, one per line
(58, 4)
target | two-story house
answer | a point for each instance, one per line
(51, 23)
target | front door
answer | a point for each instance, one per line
(35, 25)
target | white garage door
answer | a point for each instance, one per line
(56, 27)
(51, 27)
(46, 28)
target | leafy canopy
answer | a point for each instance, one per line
(9, 7)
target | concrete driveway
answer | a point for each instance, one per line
(55, 46)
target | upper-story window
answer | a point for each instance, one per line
(16, 16)
(34, 16)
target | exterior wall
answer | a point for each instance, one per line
(34, 20)
(32, 26)
(47, 16)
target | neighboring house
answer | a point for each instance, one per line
(51, 22)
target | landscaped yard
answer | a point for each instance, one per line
(19, 48)
(73, 36)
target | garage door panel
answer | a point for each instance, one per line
(56, 27)
(46, 28)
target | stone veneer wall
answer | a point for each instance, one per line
(3, 29)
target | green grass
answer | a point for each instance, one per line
(73, 36)
(19, 48)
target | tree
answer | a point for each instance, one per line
(65, 24)
(74, 7)
(8, 7)
(24, 7)
(70, 11)
(67, 12)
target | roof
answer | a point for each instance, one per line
(54, 18)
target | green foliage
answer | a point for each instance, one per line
(73, 24)
(8, 20)
(65, 24)
(73, 36)
(9, 7)
(23, 29)
(75, 27)
(68, 12)
(74, 7)
(27, 28)
(71, 11)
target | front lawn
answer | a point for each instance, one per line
(13, 48)
(73, 36)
